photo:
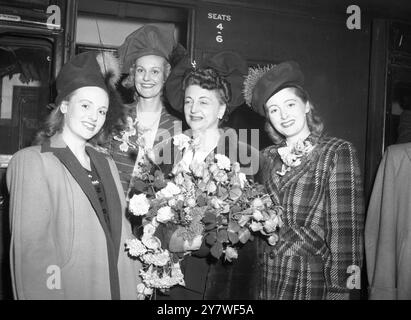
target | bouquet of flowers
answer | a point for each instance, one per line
(211, 200)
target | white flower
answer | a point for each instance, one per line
(243, 179)
(135, 247)
(124, 146)
(243, 220)
(257, 215)
(191, 202)
(211, 187)
(181, 141)
(236, 167)
(152, 243)
(270, 225)
(179, 179)
(172, 202)
(169, 191)
(272, 240)
(257, 203)
(256, 226)
(231, 253)
(149, 229)
(139, 204)
(164, 214)
(157, 259)
(223, 162)
(143, 290)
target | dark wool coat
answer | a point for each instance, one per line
(322, 236)
(205, 277)
(58, 231)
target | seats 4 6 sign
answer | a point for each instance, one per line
(219, 22)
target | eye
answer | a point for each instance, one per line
(187, 101)
(291, 104)
(273, 110)
(203, 102)
(103, 112)
(84, 105)
(156, 72)
(139, 70)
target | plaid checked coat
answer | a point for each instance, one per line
(321, 241)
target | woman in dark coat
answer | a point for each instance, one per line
(316, 179)
(207, 99)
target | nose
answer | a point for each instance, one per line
(194, 107)
(284, 114)
(93, 114)
(146, 76)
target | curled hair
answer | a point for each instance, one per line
(209, 79)
(314, 122)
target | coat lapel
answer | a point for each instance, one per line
(112, 197)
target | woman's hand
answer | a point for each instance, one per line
(193, 245)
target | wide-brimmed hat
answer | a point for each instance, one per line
(270, 80)
(151, 39)
(228, 64)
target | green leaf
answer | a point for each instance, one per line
(244, 235)
(140, 185)
(217, 250)
(201, 201)
(222, 236)
(233, 226)
(233, 237)
(159, 184)
(222, 193)
(209, 217)
(235, 208)
(235, 193)
(211, 238)
(210, 226)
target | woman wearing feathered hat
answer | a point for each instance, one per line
(67, 206)
(316, 179)
(207, 95)
(145, 56)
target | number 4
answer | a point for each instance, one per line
(220, 26)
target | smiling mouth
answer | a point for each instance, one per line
(287, 124)
(196, 118)
(147, 86)
(89, 125)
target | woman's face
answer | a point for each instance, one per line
(202, 108)
(150, 75)
(85, 112)
(287, 113)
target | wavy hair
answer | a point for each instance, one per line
(314, 121)
(209, 79)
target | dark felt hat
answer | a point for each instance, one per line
(286, 74)
(82, 70)
(228, 64)
(151, 39)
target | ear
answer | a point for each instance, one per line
(63, 107)
(307, 107)
(221, 111)
(167, 70)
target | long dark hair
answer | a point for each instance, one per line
(314, 122)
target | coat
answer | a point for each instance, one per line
(60, 247)
(320, 245)
(388, 227)
(205, 277)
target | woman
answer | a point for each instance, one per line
(66, 202)
(316, 179)
(208, 98)
(145, 56)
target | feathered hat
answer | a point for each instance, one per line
(263, 82)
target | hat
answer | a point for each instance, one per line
(150, 39)
(228, 64)
(286, 74)
(88, 69)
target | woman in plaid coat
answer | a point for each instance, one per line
(316, 179)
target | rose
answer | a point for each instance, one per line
(216, 203)
(181, 141)
(169, 191)
(236, 167)
(220, 176)
(231, 253)
(143, 290)
(223, 162)
(191, 202)
(270, 225)
(242, 178)
(164, 214)
(211, 187)
(139, 204)
(158, 259)
(152, 243)
(257, 203)
(243, 220)
(257, 215)
(256, 226)
(272, 240)
(172, 202)
(149, 229)
(213, 168)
